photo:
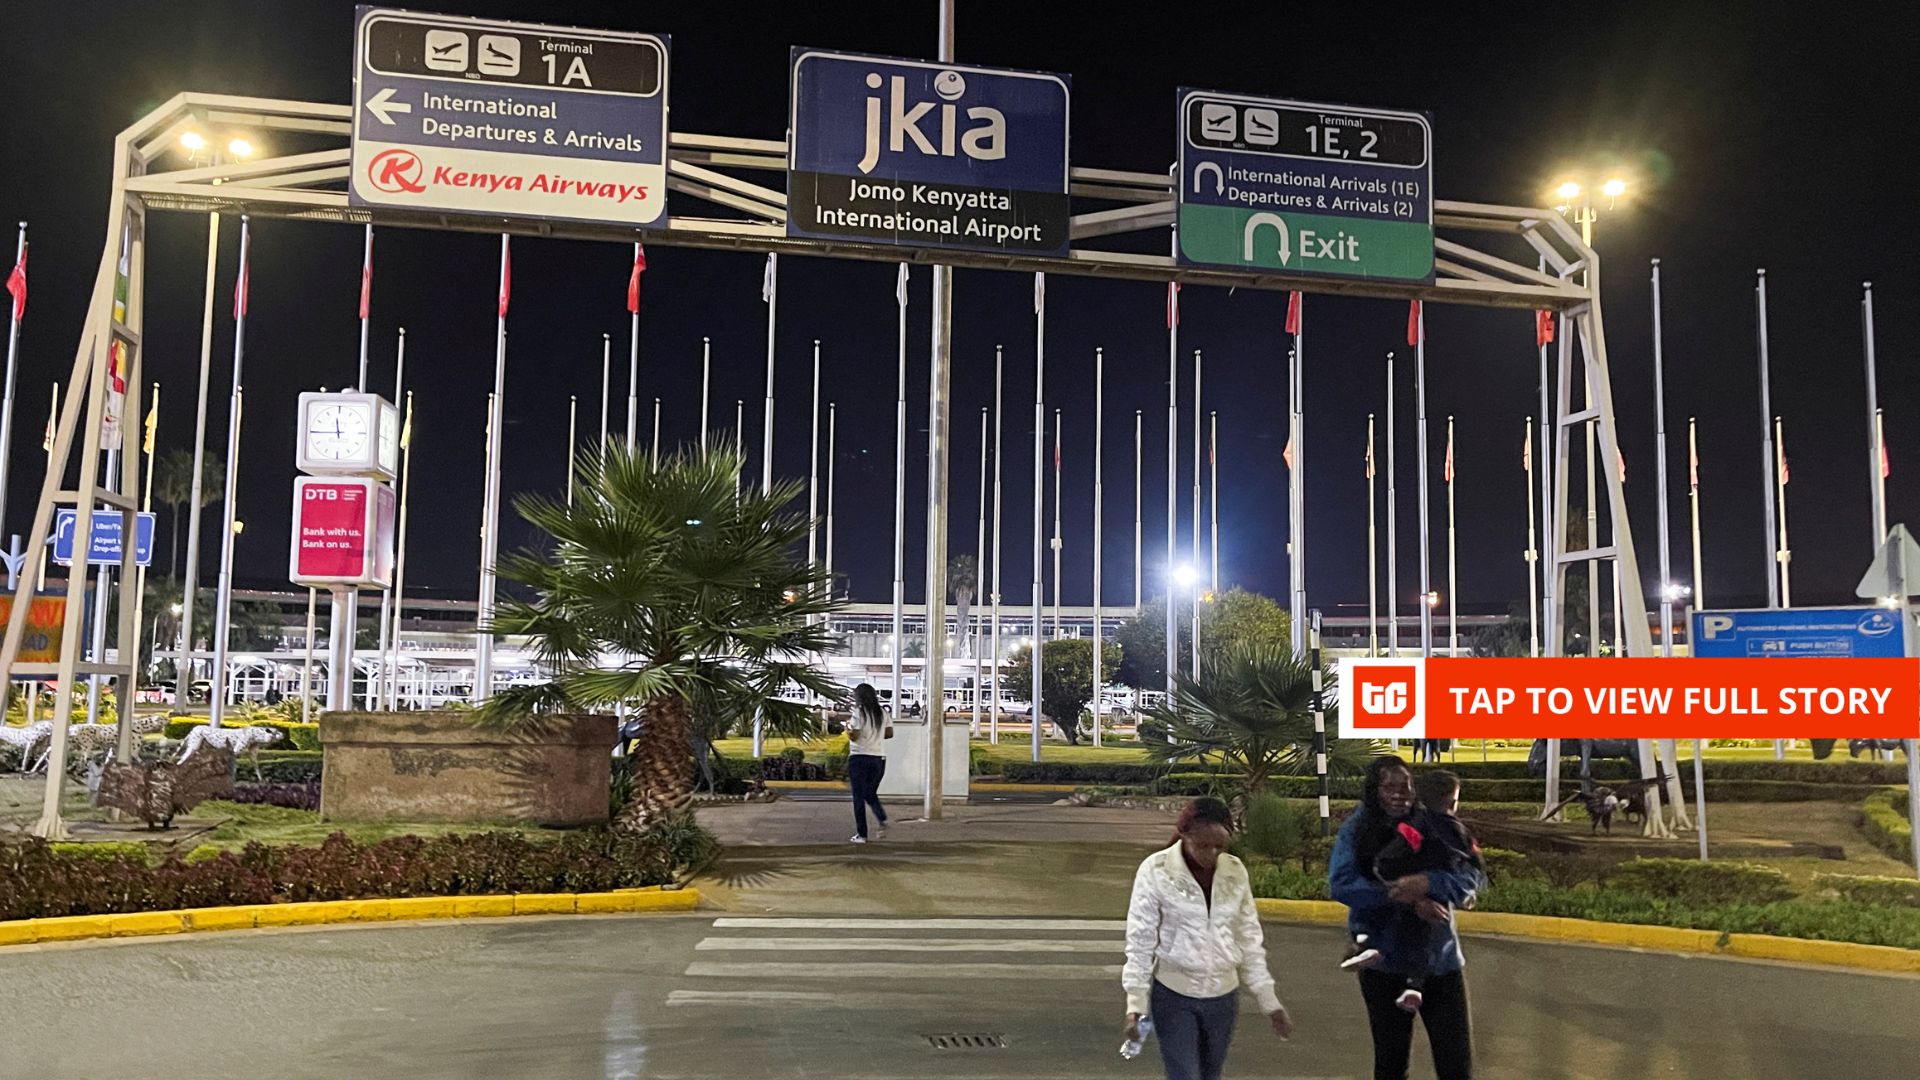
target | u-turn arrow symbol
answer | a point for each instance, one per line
(1280, 225)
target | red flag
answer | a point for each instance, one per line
(366, 284)
(117, 367)
(1369, 455)
(1056, 456)
(1543, 328)
(240, 289)
(1623, 466)
(1526, 452)
(1293, 313)
(1413, 322)
(506, 277)
(1783, 469)
(1449, 465)
(1173, 304)
(633, 280)
(1886, 468)
(1286, 454)
(1693, 464)
(17, 285)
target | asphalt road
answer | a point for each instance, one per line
(616, 997)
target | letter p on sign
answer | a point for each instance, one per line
(1382, 699)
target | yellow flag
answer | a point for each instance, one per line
(153, 421)
(53, 414)
(406, 429)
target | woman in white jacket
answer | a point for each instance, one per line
(1193, 940)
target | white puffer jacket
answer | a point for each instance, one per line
(1173, 936)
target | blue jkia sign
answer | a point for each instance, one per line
(927, 155)
(509, 119)
(1845, 632)
(105, 549)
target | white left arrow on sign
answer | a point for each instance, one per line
(382, 106)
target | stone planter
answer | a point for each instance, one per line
(438, 766)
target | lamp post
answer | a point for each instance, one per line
(200, 150)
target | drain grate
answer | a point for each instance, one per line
(974, 1041)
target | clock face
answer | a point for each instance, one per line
(339, 431)
(389, 438)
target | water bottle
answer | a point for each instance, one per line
(1143, 1031)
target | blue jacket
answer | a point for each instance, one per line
(1370, 912)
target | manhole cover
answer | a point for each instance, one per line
(986, 1041)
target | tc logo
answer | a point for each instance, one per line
(1382, 698)
(396, 171)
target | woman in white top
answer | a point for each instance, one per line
(1193, 939)
(867, 733)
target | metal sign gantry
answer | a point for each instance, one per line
(747, 215)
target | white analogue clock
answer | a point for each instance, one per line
(339, 431)
(389, 442)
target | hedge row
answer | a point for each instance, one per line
(1515, 791)
(39, 880)
(1883, 817)
(297, 735)
(284, 767)
(1804, 772)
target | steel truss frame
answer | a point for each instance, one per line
(311, 186)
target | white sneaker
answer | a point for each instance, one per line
(1365, 958)
(856, 839)
(883, 831)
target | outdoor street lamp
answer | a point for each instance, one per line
(1676, 592)
(1433, 599)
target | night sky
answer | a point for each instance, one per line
(1760, 137)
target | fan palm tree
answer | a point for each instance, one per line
(667, 588)
(173, 488)
(962, 576)
(1253, 706)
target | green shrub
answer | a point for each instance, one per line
(285, 766)
(1607, 770)
(1286, 881)
(1504, 865)
(1701, 884)
(793, 753)
(105, 849)
(295, 734)
(1881, 891)
(1883, 817)
(1275, 828)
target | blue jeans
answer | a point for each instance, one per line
(864, 773)
(1194, 1032)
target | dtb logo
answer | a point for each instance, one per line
(1382, 699)
(984, 140)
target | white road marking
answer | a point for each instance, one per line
(860, 945)
(723, 997)
(982, 925)
(843, 971)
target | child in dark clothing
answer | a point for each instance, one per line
(1432, 839)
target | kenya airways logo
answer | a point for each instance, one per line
(396, 171)
(1382, 699)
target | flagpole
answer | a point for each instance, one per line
(899, 487)
(1660, 466)
(1876, 435)
(306, 663)
(1693, 501)
(400, 552)
(53, 417)
(490, 542)
(1533, 553)
(1453, 588)
(1393, 529)
(223, 591)
(813, 467)
(979, 580)
(1297, 474)
(739, 443)
(770, 292)
(832, 431)
(365, 313)
(1139, 565)
(1194, 641)
(1544, 563)
(1173, 473)
(1420, 416)
(1039, 494)
(146, 507)
(999, 416)
(706, 382)
(1099, 444)
(633, 362)
(573, 410)
(183, 675)
(379, 695)
(1213, 494)
(1057, 542)
(1766, 436)
(1785, 555)
(1373, 553)
(653, 461)
(18, 311)
(606, 372)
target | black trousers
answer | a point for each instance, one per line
(1444, 1012)
(864, 772)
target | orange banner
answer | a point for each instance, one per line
(1654, 698)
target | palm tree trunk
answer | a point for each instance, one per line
(173, 549)
(664, 769)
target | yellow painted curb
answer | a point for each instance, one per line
(808, 785)
(249, 916)
(1039, 789)
(1672, 939)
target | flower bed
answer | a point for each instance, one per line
(40, 880)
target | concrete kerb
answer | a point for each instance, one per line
(1846, 954)
(252, 916)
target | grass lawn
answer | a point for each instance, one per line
(278, 825)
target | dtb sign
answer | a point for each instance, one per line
(927, 155)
